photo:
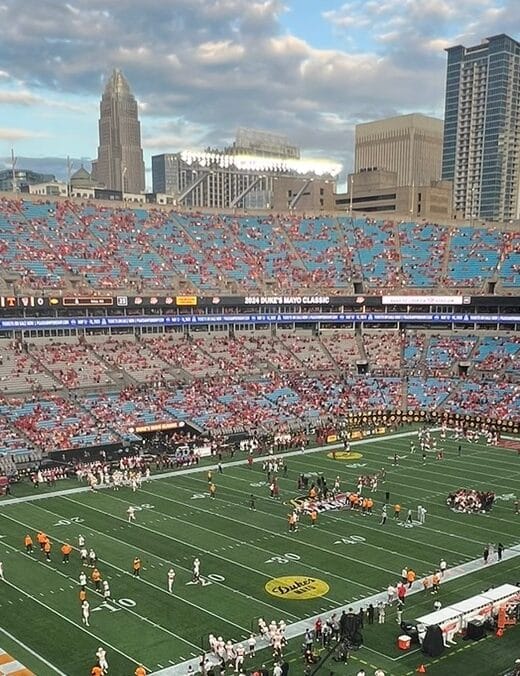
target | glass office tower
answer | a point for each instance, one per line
(482, 129)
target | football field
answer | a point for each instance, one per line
(345, 558)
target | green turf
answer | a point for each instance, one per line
(238, 550)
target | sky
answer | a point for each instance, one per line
(310, 69)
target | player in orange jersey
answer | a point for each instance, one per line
(66, 549)
(28, 544)
(136, 567)
(47, 549)
(96, 579)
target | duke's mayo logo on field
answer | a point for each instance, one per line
(344, 455)
(297, 587)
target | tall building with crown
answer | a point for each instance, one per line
(119, 164)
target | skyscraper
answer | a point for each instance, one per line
(409, 145)
(120, 164)
(482, 128)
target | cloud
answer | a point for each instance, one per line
(176, 135)
(25, 98)
(202, 68)
(220, 52)
(12, 134)
(19, 98)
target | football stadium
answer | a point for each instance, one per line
(260, 364)
(318, 469)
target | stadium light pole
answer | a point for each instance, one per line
(13, 169)
(351, 194)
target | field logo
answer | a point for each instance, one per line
(297, 588)
(344, 455)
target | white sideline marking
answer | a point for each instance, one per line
(201, 468)
(32, 652)
(298, 628)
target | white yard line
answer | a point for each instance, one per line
(140, 617)
(201, 468)
(298, 628)
(102, 641)
(125, 572)
(32, 652)
(187, 544)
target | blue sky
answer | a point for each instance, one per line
(310, 69)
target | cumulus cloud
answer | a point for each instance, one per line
(201, 68)
(13, 134)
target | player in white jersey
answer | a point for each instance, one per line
(262, 628)
(277, 643)
(117, 480)
(196, 570)
(106, 590)
(230, 652)
(273, 627)
(101, 655)
(131, 514)
(221, 648)
(81, 541)
(213, 643)
(83, 555)
(171, 580)
(92, 558)
(83, 581)
(251, 643)
(85, 613)
(239, 659)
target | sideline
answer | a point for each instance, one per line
(32, 652)
(201, 468)
(298, 628)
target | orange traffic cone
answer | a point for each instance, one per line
(421, 669)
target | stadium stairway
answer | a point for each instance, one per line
(446, 261)
(290, 244)
(226, 281)
(470, 356)
(330, 356)
(348, 263)
(361, 345)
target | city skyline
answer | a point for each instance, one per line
(201, 69)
